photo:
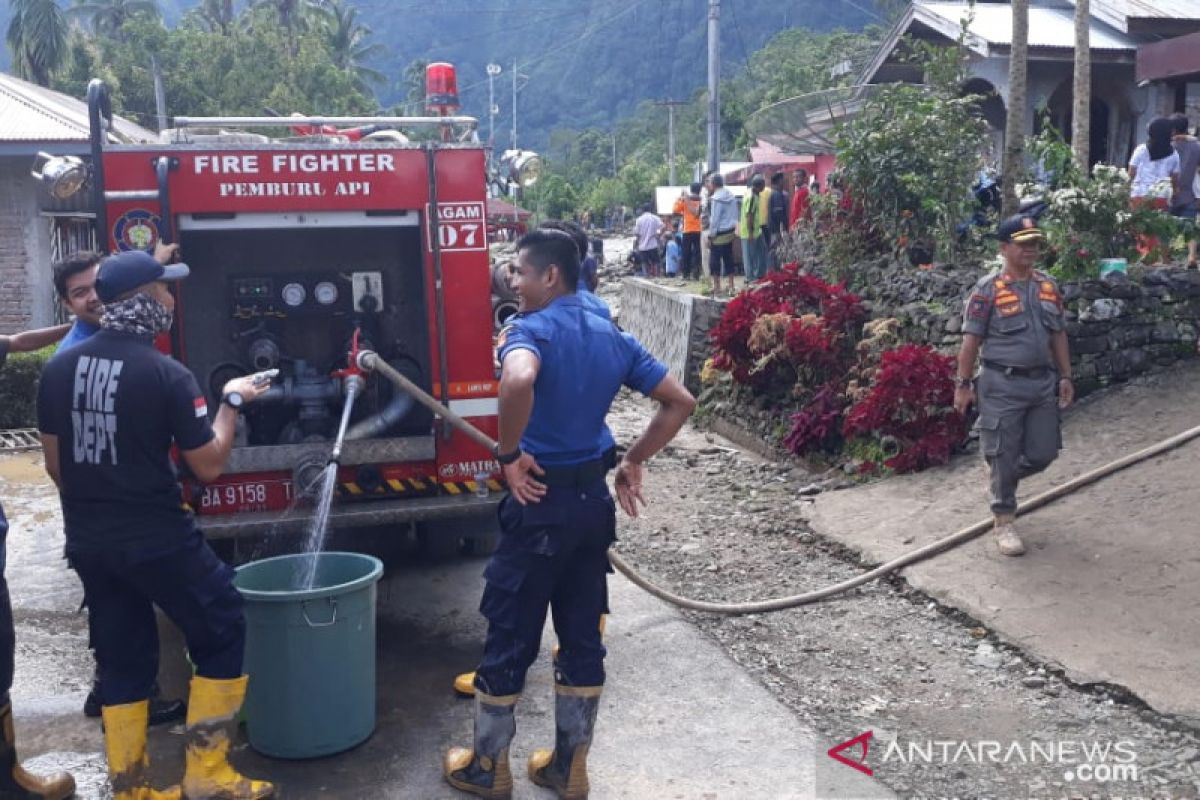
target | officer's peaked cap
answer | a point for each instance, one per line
(1019, 228)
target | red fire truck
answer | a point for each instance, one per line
(339, 232)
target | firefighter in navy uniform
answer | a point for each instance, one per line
(561, 367)
(1013, 323)
(15, 782)
(109, 410)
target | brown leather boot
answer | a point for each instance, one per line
(15, 782)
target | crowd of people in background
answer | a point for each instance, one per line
(1163, 174)
(698, 235)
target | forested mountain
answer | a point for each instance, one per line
(581, 64)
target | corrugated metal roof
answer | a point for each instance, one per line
(1118, 12)
(992, 23)
(32, 113)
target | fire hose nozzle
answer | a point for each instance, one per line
(353, 385)
(366, 360)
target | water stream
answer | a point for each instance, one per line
(318, 527)
(307, 577)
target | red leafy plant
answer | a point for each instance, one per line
(817, 339)
(910, 405)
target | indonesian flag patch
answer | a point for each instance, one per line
(201, 407)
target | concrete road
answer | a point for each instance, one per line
(679, 719)
(1107, 590)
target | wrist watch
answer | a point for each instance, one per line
(234, 400)
(507, 458)
(962, 383)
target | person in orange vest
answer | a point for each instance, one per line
(688, 208)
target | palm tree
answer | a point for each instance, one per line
(1014, 129)
(1081, 113)
(217, 14)
(293, 16)
(107, 16)
(37, 39)
(348, 46)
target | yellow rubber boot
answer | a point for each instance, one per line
(211, 726)
(125, 746)
(464, 684)
(483, 768)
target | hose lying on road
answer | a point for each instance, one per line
(780, 603)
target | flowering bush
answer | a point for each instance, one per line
(1088, 218)
(910, 404)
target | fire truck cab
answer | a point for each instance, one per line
(302, 247)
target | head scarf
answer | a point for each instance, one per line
(140, 314)
(1158, 140)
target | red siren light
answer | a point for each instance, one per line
(441, 88)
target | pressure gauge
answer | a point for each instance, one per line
(294, 294)
(326, 293)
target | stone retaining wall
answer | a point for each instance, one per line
(673, 325)
(1118, 328)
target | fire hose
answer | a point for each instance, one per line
(371, 362)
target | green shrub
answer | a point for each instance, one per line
(18, 388)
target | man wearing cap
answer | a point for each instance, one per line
(110, 410)
(1013, 323)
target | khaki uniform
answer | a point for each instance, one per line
(1017, 384)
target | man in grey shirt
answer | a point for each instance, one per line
(1183, 204)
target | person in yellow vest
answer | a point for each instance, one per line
(752, 228)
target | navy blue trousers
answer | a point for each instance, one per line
(552, 555)
(194, 589)
(8, 636)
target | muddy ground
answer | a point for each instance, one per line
(725, 525)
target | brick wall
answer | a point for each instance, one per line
(25, 287)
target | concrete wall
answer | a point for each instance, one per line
(673, 325)
(25, 286)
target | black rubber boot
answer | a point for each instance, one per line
(161, 711)
(564, 769)
(483, 770)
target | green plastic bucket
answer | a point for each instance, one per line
(310, 653)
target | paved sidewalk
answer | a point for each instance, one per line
(1108, 589)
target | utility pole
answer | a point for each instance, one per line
(514, 119)
(492, 71)
(714, 85)
(670, 104)
(160, 95)
(614, 137)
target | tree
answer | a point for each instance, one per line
(106, 17)
(348, 45)
(1014, 129)
(217, 15)
(1081, 113)
(292, 15)
(37, 39)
